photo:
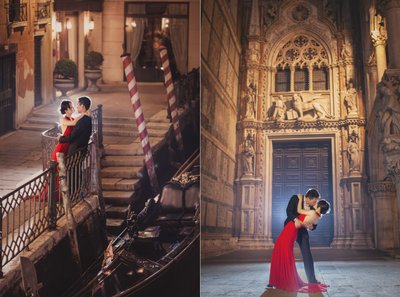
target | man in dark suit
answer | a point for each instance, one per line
(80, 134)
(311, 199)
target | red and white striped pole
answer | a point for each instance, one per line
(140, 122)
(169, 85)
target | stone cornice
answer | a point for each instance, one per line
(296, 125)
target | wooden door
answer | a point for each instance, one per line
(298, 166)
(7, 93)
(38, 70)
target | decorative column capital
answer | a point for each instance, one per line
(383, 186)
(389, 4)
(379, 37)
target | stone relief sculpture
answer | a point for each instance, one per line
(301, 107)
(279, 109)
(353, 151)
(388, 110)
(350, 99)
(248, 154)
(346, 51)
(269, 12)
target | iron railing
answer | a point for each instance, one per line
(187, 88)
(36, 206)
(49, 137)
(17, 12)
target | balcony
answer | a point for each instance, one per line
(17, 15)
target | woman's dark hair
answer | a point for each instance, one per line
(65, 104)
(85, 101)
(324, 206)
(312, 194)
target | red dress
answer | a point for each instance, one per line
(62, 147)
(283, 273)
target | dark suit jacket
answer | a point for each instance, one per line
(291, 210)
(79, 136)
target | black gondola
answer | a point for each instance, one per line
(158, 254)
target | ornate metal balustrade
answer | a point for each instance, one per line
(17, 12)
(49, 137)
(36, 206)
(23, 216)
(187, 88)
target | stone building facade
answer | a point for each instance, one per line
(317, 105)
(35, 34)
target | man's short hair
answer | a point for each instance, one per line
(312, 194)
(85, 101)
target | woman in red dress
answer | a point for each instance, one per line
(283, 273)
(67, 123)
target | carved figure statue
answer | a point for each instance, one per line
(250, 100)
(353, 151)
(279, 109)
(346, 51)
(248, 154)
(350, 99)
(317, 109)
(389, 107)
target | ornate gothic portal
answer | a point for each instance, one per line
(301, 90)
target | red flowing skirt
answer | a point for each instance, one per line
(283, 273)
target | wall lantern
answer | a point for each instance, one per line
(58, 27)
(91, 24)
(68, 24)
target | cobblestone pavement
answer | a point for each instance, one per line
(21, 152)
(378, 278)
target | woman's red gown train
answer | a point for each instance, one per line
(283, 273)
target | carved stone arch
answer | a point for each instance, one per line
(279, 43)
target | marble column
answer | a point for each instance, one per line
(379, 39)
(392, 14)
(384, 214)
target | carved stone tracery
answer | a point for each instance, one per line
(302, 51)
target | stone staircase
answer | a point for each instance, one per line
(121, 163)
(121, 169)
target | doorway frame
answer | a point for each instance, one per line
(334, 137)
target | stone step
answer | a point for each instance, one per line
(44, 120)
(122, 161)
(35, 127)
(122, 120)
(132, 149)
(119, 126)
(118, 198)
(133, 132)
(116, 212)
(119, 184)
(115, 226)
(122, 172)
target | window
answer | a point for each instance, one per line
(301, 79)
(320, 78)
(282, 82)
(146, 23)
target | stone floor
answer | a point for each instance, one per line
(378, 278)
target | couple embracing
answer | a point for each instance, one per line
(283, 273)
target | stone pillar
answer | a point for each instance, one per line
(392, 14)
(359, 235)
(384, 215)
(379, 41)
(389, 125)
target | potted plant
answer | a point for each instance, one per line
(65, 76)
(93, 61)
